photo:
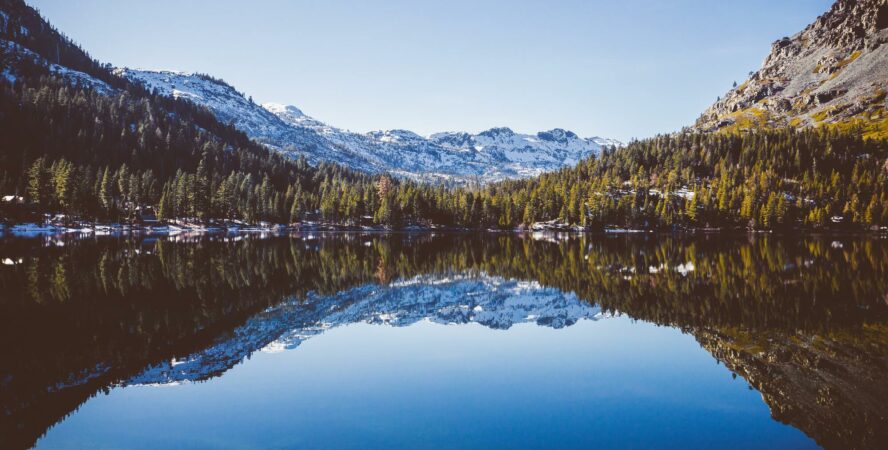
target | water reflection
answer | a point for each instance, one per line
(492, 302)
(803, 321)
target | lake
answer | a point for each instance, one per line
(444, 341)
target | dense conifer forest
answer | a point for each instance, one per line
(92, 154)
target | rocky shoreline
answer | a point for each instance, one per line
(548, 228)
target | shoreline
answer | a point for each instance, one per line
(31, 229)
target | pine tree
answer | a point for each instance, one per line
(165, 207)
(295, 210)
(123, 187)
(38, 182)
(873, 211)
(106, 195)
(691, 208)
(202, 190)
(62, 183)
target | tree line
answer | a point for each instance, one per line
(768, 179)
(67, 147)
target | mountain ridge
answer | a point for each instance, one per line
(457, 157)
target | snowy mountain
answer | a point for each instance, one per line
(492, 155)
(490, 301)
(13, 54)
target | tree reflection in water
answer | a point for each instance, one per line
(803, 320)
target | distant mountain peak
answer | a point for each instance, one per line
(284, 110)
(395, 135)
(556, 135)
(497, 131)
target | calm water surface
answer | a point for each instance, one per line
(449, 341)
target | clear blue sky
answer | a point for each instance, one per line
(622, 69)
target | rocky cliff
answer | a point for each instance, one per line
(832, 73)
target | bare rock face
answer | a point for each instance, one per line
(834, 72)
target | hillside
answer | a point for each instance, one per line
(832, 73)
(451, 157)
(97, 144)
(77, 138)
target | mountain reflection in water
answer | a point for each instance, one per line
(492, 302)
(803, 321)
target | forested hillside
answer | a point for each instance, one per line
(768, 179)
(77, 139)
(101, 153)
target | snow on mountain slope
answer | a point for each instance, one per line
(492, 155)
(294, 116)
(231, 106)
(494, 302)
(525, 155)
(16, 53)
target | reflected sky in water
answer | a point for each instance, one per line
(444, 341)
(611, 383)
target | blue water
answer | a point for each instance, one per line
(608, 383)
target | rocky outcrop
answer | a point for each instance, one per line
(835, 71)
